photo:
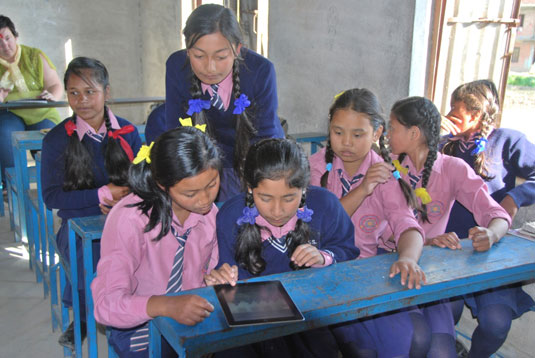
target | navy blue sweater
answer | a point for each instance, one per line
(509, 154)
(75, 203)
(257, 81)
(331, 228)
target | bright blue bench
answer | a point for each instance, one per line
(314, 138)
(354, 289)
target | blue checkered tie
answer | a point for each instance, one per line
(139, 341)
(216, 100)
(346, 185)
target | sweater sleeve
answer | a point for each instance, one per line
(335, 232)
(522, 160)
(52, 178)
(265, 101)
(226, 233)
(173, 97)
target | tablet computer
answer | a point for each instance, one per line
(262, 302)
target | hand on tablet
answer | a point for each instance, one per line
(185, 309)
(307, 255)
(225, 274)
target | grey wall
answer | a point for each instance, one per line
(320, 48)
(133, 38)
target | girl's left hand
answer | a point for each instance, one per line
(482, 238)
(307, 255)
(46, 95)
(117, 192)
(108, 204)
(410, 272)
(449, 125)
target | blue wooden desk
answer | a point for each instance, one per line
(314, 138)
(89, 229)
(355, 289)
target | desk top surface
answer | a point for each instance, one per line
(354, 289)
(42, 104)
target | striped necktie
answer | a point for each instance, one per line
(346, 185)
(414, 179)
(216, 100)
(139, 341)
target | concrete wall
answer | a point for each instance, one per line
(320, 48)
(133, 38)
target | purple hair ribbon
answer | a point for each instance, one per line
(241, 103)
(197, 105)
(248, 216)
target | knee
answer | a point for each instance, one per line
(495, 320)
(10, 122)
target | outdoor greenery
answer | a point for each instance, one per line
(521, 80)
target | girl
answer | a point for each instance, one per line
(217, 82)
(498, 156)
(440, 180)
(369, 193)
(279, 225)
(159, 239)
(85, 161)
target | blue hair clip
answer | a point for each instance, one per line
(305, 214)
(329, 167)
(241, 103)
(197, 105)
(248, 216)
(396, 174)
(480, 143)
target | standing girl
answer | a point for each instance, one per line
(85, 161)
(280, 225)
(217, 82)
(159, 239)
(375, 200)
(498, 156)
(440, 180)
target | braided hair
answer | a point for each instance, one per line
(478, 96)
(177, 154)
(362, 100)
(79, 163)
(208, 19)
(422, 113)
(272, 159)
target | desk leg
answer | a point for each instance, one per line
(90, 318)
(155, 341)
(75, 298)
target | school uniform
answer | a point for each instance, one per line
(78, 203)
(133, 267)
(332, 233)
(509, 155)
(257, 81)
(382, 214)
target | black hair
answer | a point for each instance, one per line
(79, 162)
(272, 159)
(208, 19)
(6, 22)
(362, 100)
(422, 113)
(478, 96)
(177, 154)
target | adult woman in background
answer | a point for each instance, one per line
(25, 73)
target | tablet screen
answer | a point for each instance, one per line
(256, 303)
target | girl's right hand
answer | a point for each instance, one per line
(378, 173)
(3, 94)
(224, 274)
(118, 192)
(449, 240)
(185, 309)
(449, 125)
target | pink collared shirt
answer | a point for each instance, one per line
(386, 206)
(279, 232)
(452, 179)
(133, 267)
(224, 90)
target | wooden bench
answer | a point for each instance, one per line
(355, 289)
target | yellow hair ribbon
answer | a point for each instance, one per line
(423, 195)
(143, 154)
(399, 168)
(186, 122)
(338, 95)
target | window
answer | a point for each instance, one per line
(521, 18)
(516, 54)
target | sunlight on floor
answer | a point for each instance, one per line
(19, 252)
